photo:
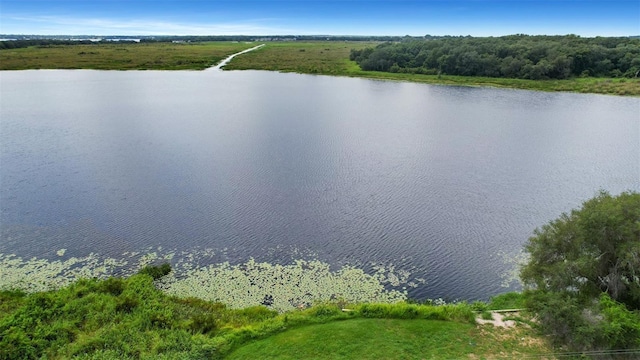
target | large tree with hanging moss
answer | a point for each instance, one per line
(583, 273)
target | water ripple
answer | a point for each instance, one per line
(438, 179)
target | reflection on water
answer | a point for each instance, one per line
(437, 180)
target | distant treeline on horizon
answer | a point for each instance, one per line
(74, 39)
(10, 41)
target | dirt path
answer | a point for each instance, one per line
(498, 319)
(226, 61)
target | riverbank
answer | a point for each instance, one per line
(126, 318)
(121, 56)
(320, 57)
(332, 58)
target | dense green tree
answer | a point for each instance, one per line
(515, 56)
(591, 250)
(583, 274)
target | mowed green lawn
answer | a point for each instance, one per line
(394, 339)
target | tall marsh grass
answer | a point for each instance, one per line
(461, 312)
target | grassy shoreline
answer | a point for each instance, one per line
(129, 318)
(121, 56)
(332, 58)
(84, 314)
(320, 58)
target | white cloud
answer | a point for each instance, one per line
(52, 25)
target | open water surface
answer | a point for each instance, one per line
(436, 180)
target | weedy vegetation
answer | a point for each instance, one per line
(120, 56)
(129, 318)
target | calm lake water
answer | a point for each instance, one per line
(436, 180)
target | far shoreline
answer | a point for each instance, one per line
(310, 57)
(332, 58)
(575, 86)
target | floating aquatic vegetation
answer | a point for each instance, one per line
(387, 274)
(34, 275)
(515, 262)
(281, 287)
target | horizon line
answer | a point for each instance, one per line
(310, 35)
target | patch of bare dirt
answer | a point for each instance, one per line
(497, 320)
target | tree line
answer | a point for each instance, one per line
(514, 56)
(23, 41)
(17, 44)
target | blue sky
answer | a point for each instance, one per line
(315, 17)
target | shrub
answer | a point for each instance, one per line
(621, 328)
(203, 323)
(126, 304)
(156, 272)
(9, 301)
(374, 310)
(605, 324)
(560, 316)
(257, 313)
(452, 312)
(161, 319)
(510, 300)
(479, 306)
(325, 310)
(405, 311)
(113, 286)
(17, 345)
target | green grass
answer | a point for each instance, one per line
(511, 300)
(391, 339)
(365, 339)
(322, 57)
(316, 57)
(120, 56)
(332, 58)
(610, 86)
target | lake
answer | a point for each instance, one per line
(444, 182)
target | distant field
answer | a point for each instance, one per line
(316, 57)
(327, 58)
(332, 58)
(120, 56)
